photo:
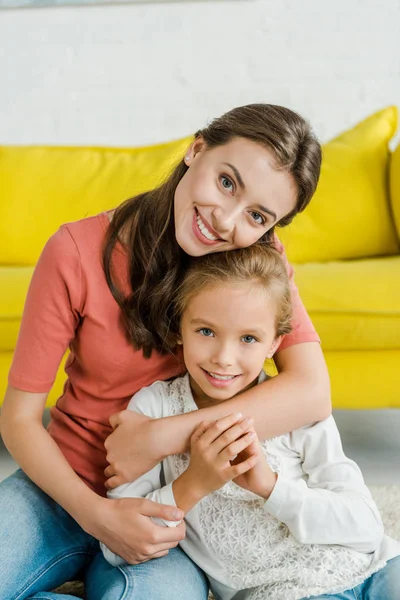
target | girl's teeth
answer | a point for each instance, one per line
(222, 377)
(204, 230)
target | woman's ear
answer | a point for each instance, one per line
(195, 147)
(179, 342)
(274, 347)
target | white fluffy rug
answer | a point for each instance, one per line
(387, 498)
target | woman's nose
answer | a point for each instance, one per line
(224, 221)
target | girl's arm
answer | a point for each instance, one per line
(297, 396)
(333, 506)
(124, 526)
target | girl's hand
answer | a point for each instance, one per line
(132, 448)
(260, 479)
(125, 526)
(213, 446)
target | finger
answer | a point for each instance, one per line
(243, 467)
(161, 511)
(113, 482)
(233, 433)
(201, 429)
(109, 471)
(221, 426)
(166, 537)
(159, 554)
(116, 419)
(231, 451)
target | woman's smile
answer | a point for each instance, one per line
(203, 231)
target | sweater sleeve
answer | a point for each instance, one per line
(51, 315)
(334, 506)
(302, 328)
(148, 401)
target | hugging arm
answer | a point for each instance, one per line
(297, 396)
(334, 506)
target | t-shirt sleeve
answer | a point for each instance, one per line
(51, 315)
(302, 328)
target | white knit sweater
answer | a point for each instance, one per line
(319, 531)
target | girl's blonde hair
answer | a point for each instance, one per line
(260, 264)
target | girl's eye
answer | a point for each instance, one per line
(258, 218)
(249, 339)
(206, 332)
(227, 184)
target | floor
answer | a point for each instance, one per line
(371, 438)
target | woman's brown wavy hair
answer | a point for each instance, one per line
(145, 223)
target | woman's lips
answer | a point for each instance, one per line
(200, 236)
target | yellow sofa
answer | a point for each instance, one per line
(345, 247)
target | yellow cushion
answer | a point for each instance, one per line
(349, 216)
(354, 305)
(56, 390)
(364, 380)
(14, 283)
(395, 186)
(43, 187)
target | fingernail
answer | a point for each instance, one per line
(238, 415)
(178, 515)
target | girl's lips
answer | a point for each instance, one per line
(219, 383)
(200, 236)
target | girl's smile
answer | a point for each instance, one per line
(224, 343)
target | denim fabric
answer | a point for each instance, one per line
(171, 577)
(42, 547)
(382, 585)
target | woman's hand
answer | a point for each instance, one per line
(125, 526)
(213, 447)
(260, 479)
(132, 448)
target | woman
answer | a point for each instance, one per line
(99, 288)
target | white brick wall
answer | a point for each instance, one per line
(134, 74)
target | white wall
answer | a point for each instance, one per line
(136, 74)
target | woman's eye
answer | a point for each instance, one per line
(206, 332)
(249, 339)
(258, 218)
(227, 184)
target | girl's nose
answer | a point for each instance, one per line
(223, 357)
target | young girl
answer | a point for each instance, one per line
(283, 519)
(103, 287)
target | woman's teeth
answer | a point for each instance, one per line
(204, 230)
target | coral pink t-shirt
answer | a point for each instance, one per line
(70, 305)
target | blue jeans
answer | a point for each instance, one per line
(42, 547)
(382, 585)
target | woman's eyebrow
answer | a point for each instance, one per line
(241, 183)
(237, 175)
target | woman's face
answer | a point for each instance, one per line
(229, 197)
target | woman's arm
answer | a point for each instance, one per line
(297, 396)
(123, 525)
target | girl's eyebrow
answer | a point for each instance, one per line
(241, 183)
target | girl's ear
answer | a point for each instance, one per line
(275, 345)
(194, 148)
(179, 342)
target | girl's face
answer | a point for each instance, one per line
(229, 197)
(227, 332)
